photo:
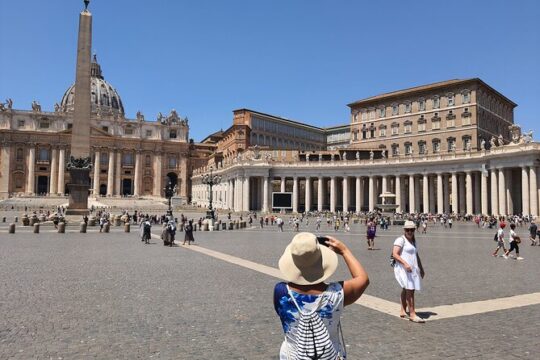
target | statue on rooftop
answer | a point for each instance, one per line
(371, 155)
(140, 116)
(493, 142)
(483, 144)
(501, 140)
(36, 107)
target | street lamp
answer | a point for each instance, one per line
(211, 180)
(170, 190)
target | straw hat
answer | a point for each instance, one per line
(305, 262)
(409, 225)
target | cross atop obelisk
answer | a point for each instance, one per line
(80, 164)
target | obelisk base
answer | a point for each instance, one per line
(79, 189)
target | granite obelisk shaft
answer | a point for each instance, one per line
(80, 164)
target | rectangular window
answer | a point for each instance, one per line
(382, 112)
(408, 148)
(435, 125)
(364, 115)
(104, 158)
(451, 100)
(395, 109)
(44, 124)
(129, 131)
(395, 130)
(408, 108)
(172, 134)
(422, 148)
(450, 123)
(172, 163)
(105, 128)
(466, 121)
(395, 150)
(148, 133)
(407, 128)
(382, 132)
(436, 146)
(372, 115)
(436, 103)
(422, 105)
(127, 159)
(20, 123)
(422, 127)
(466, 98)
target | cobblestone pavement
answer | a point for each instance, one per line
(108, 296)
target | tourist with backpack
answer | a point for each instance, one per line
(499, 237)
(533, 229)
(310, 309)
(188, 233)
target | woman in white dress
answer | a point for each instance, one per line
(408, 270)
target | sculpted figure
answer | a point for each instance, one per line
(383, 154)
(483, 144)
(371, 155)
(358, 155)
(501, 140)
(56, 107)
(35, 106)
(174, 114)
(9, 103)
(140, 116)
(160, 117)
(2, 107)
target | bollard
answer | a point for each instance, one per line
(223, 226)
(82, 228)
(237, 225)
(16, 219)
(107, 227)
(205, 226)
(194, 227)
(126, 227)
(12, 228)
(61, 228)
(217, 225)
(36, 228)
(231, 226)
(25, 220)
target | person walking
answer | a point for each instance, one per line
(188, 236)
(514, 243)
(408, 271)
(533, 229)
(500, 240)
(310, 309)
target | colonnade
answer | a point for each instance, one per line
(498, 191)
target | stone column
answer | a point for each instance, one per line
(432, 181)
(5, 174)
(469, 192)
(417, 194)
(412, 205)
(446, 193)
(110, 174)
(283, 183)
(502, 192)
(333, 194)
(137, 180)
(526, 210)
(455, 208)
(246, 194)
(425, 193)
(533, 190)
(30, 185)
(308, 194)
(158, 168)
(509, 198)
(118, 176)
(484, 194)
(358, 204)
(53, 184)
(398, 194)
(494, 192)
(265, 194)
(96, 172)
(295, 195)
(440, 195)
(461, 185)
(345, 194)
(384, 184)
(477, 192)
(61, 172)
(320, 193)
(371, 197)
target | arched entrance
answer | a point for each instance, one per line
(42, 185)
(173, 178)
(127, 188)
(103, 189)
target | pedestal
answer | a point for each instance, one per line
(78, 192)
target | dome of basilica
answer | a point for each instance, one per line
(104, 97)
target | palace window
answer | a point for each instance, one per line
(355, 117)
(422, 147)
(172, 162)
(466, 121)
(436, 146)
(407, 107)
(395, 129)
(382, 131)
(395, 109)
(407, 127)
(408, 148)
(355, 135)
(20, 154)
(421, 105)
(466, 97)
(20, 123)
(44, 124)
(451, 144)
(436, 102)
(382, 112)
(148, 160)
(372, 131)
(450, 99)
(148, 133)
(421, 126)
(103, 158)
(450, 123)
(172, 134)
(129, 130)
(364, 115)
(466, 143)
(372, 114)
(395, 149)
(435, 124)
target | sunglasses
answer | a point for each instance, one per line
(409, 230)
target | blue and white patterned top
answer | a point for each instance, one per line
(309, 319)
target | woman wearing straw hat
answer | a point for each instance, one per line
(408, 270)
(309, 309)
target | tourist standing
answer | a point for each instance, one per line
(408, 270)
(370, 233)
(188, 233)
(500, 240)
(309, 309)
(533, 229)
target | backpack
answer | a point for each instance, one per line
(147, 227)
(314, 340)
(496, 237)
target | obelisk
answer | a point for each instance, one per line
(80, 164)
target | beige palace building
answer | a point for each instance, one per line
(447, 147)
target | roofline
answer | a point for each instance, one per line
(423, 88)
(281, 119)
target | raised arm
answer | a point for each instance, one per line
(354, 287)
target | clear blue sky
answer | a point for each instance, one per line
(300, 59)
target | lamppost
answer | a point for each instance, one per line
(211, 180)
(170, 190)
